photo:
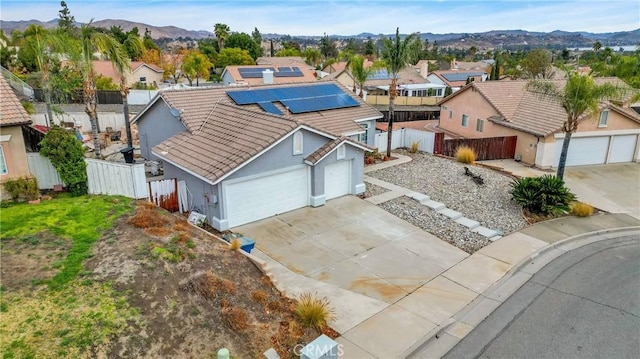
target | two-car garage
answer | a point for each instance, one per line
(598, 149)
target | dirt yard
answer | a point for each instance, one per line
(191, 295)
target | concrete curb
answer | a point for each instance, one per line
(508, 276)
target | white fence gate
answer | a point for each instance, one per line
(404, 138)
(103, 177)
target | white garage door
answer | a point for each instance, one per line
(263, 197)
(623, 148)
(337, 179)
(584, 150)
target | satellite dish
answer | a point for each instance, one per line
(174, 112)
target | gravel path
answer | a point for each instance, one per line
(444, 181)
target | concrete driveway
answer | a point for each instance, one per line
(354, 245)
(614, 188)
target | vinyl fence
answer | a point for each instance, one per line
(404, 138)
(104, 177)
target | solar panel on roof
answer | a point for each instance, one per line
(256, 72)
(299, 99)
(462, 76)
(269, 107)
(379, 75)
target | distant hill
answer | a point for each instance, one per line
(489, 39)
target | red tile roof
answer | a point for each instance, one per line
(11, 111)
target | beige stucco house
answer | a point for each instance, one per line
(506, 108)
(148, 74)
(13, 156)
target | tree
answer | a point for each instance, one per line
(395, 52)
(67, 155)
(288, 52)
(311, 56)
(208, 48)
(241, 40)
(172, 65)
(123, 67)
(360, 73)
(8, 52)
(579, 97)
(537, 64)
(147, 40)
(66, 22)
(194, 66)
(597, 46)
(222, 32)
(234, 56)
(91, 42)
(257, 37)
(327, 47)
(105, 83)
(151, 56)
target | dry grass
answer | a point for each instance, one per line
(205, 285)
(147, 218)
(274, 305)
(183, 237)
(157, 231)
(466, 155)
(181, 225)
(581, 209)
(235, 318)
(260, 296)
(287, 337)
(224, 303)
(314, 312)
(415, 146)
(226, 286)
(235, 244)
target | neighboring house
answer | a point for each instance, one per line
(483, 65)
(245, 157)
(506, 108)
(456, 79)
(13, 156)
(148, 74)
(265, 75)
(282, 61)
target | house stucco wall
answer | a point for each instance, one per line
(143, 71)
(155, 126)
(14, 153)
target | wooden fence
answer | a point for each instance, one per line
(164, 193)
(491, 148)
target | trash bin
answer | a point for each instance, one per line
(247, 244)
(127, 152)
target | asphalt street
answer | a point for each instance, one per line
(585, 304)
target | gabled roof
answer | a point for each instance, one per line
(230, 137)
(197, 104)
(234, 71)
(135, 65)
(523, 110)
(106, 69)
(330, 146)
(11, 111)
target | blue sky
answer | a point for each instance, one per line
(348, 17)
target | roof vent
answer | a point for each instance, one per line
(267, 77)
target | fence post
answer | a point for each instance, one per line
(438, 143)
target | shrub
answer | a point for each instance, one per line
(67, 156)
(415, 146)
(235, 244)
(260, 296)
(205, 285)
(314, 312)
(466, 155)
(25, 186)
(145, 218)
(235, 318)
(581, 209)
(546, 195)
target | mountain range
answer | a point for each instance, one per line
(485, 39)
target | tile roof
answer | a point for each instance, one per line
(324, 150)
(197, 104)
(406, 76)
(281, 61)
(11, 111)
(230, 137)
(307, 75)
(525, 111)
(441, 74)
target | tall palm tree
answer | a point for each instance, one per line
(38, 40)
(360, 73)
(222, 32)
(136, 44)
(82, 54)
(580, 97)
(395, 52)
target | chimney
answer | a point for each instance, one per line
(424, 69)
(267, 77)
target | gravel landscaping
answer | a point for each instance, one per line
(373, 190)
(444, 181)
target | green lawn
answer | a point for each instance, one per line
(63, 316)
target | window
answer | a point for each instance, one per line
(450, 114)
(480, 125)
(465, 120)
(143, 79)
(340, 152)
(3, 163)
(363, 137)
(297, 143)
(604, 118)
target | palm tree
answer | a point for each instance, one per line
(395, 53)
(360, 73)
(222, 32)
(92, 42)
(136, 44)
(580, 97)
(597, 46)
(38, 40)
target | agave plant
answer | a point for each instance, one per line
(542, 195)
